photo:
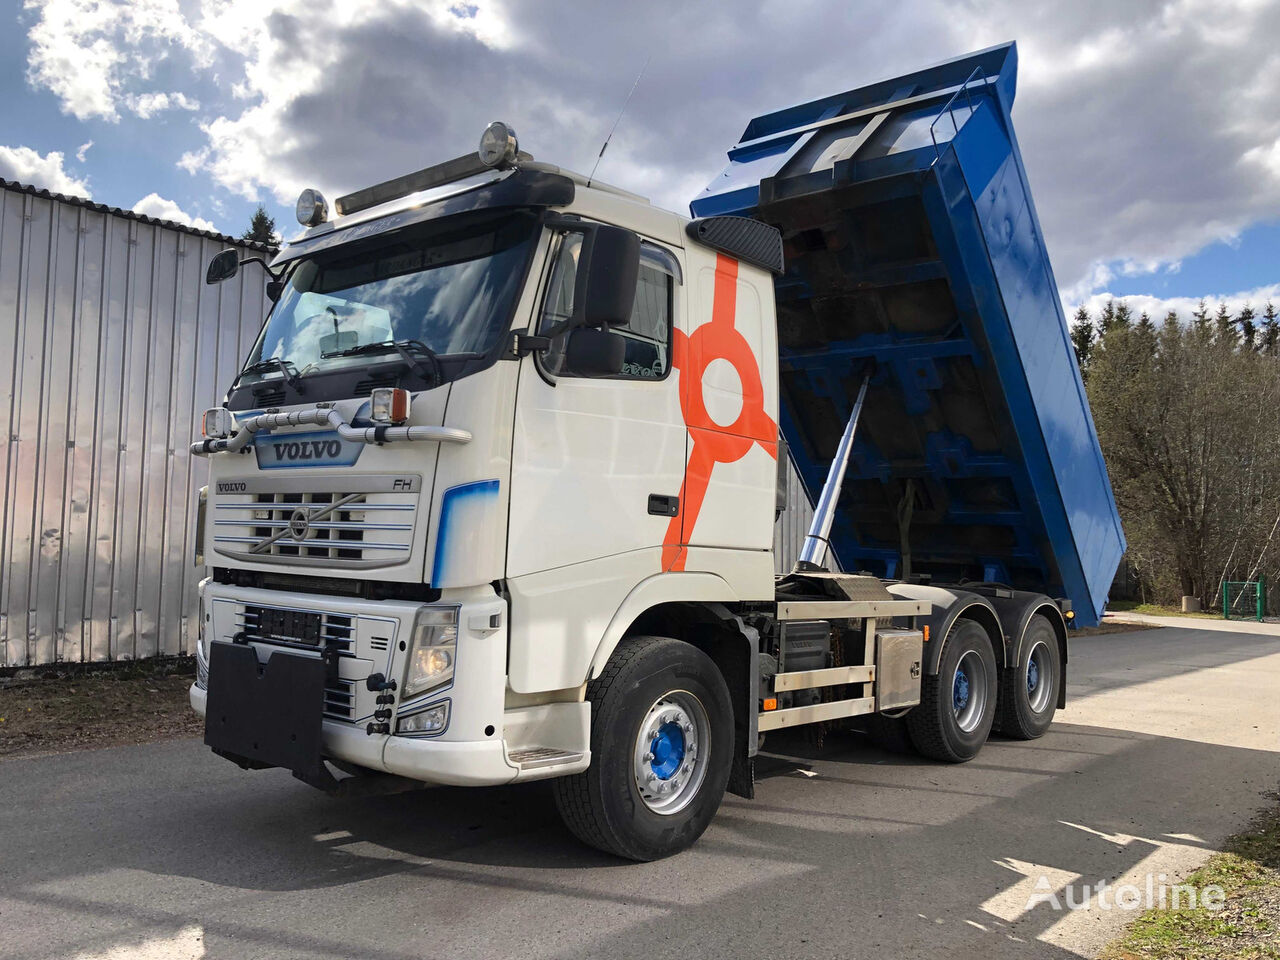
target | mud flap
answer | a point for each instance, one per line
(267, 715)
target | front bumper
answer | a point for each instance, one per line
(483, 743)
(466, 763)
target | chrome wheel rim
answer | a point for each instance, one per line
(969, 691)
(671, 752)
(1039, 677)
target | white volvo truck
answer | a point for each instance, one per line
(492, 501)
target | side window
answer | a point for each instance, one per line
(647, 332)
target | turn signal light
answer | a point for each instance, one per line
(925, 631)
(771, 703)
(389, 405)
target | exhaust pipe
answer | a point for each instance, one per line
(814, 551)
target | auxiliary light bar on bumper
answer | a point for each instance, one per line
(325, 415)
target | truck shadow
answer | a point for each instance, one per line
(890, 851)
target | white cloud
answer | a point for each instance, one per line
(88, 53)
(1157, 307)
(83, 150)
(154, 205)
(1150, 128)
(27, 166)
(147, 105)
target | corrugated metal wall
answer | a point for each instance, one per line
(102, 318)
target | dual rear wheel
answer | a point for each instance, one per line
(970, 695)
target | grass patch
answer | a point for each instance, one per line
(1248, 925)
(56, 709)
(1158, 610)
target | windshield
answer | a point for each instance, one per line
(450, 288)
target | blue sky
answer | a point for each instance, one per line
(1151, 129)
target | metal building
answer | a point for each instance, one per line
(111, 346)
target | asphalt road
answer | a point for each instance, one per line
(1172, 738)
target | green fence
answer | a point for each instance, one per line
(1244, 599)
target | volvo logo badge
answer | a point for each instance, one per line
(300, 524)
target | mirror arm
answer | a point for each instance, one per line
(273, 276)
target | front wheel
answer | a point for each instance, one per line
(661, 749)
(958, 703)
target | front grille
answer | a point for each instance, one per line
(269, 398)
(303, 628)
(286, 626)
(340, 700)
(364, 644)
(359, 528)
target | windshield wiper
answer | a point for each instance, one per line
(407, 350)
(287, 370)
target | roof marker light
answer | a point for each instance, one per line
(312, 208)
(498, 145)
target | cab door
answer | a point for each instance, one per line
(598, 462)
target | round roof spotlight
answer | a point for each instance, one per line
(498, 145)
(312, 208)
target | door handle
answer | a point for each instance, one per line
(660, 505)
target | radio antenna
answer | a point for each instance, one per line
(625, 104)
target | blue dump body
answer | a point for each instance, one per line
(911, 240)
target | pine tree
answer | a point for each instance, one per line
(1248, 328)
(1200, 323)
(1270, 342)
(1146, 325)
(1083, 337)
(262, 227)
(1224, 327)
(1107, 318)
(1124, 316)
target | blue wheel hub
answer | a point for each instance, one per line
(960, 691)
(668, 750)
(1033, 675)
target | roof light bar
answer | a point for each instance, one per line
(498, 149)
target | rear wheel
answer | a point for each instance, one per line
(958, 703)
(661, 749)
(1029, 690)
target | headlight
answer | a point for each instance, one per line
(431, 654)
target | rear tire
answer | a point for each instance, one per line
(958, 703)
(661, 750)
(1029, 690)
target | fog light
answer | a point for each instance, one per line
(217, 423)
(389, 405)
(432, 720)
(312, 208)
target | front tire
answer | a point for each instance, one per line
(1029, 690)
(958, 703)
(661, 750)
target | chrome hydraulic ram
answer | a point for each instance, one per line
(814, 551)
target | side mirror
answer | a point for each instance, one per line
(223, 266)
(608, 268)
(592, 352)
